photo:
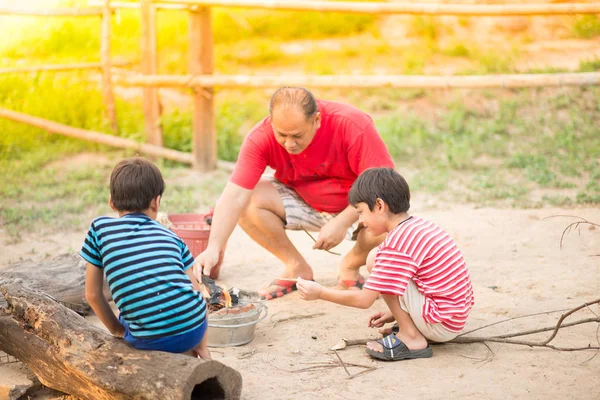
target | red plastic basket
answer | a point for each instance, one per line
(193, 229)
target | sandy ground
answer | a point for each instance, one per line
(517, 268)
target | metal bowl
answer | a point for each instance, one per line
(230, 330)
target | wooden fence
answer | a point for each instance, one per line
(201, 66)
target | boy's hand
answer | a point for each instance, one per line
(308, 290)
(379, 319)
(120, 332)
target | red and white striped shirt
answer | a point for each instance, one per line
(420, 250)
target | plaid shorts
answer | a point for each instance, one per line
(299, 215)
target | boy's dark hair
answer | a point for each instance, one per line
(134, 182)
(383, 183)
(294, 97)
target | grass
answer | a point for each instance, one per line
(506, 154)
(590, 65)
(45, 40)
(586, 27)
(525, 148)
(490, 157)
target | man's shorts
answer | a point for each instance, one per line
(299, 215)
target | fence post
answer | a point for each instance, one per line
(107, 89)
(204, 147)
(151, 101)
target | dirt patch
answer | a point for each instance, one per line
(517, 267)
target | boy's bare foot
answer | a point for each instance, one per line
(386, 331)
(203, 354)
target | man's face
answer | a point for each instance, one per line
(293, 130)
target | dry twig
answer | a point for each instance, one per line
(574, 225)
(511, 319)
(505, 338)
(315, 240)
(296, 317)
(342, 363)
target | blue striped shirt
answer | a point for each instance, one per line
(144, 264)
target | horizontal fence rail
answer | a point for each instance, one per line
(53, 12)
(402, 8)
(59, 67)
(330, 6)
(103, 138)
(115, 5)
(362, 81)
(96, 137)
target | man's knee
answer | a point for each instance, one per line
(264, 197)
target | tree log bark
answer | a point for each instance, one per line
(69, 354)
(63, 278)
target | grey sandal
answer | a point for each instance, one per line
(394, 350)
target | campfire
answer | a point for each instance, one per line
(219, 297)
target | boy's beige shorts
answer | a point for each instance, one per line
(412, 302)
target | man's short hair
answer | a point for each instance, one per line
(134, 182)
(294, 97)
(381, 183)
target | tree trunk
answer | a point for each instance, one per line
(63, 278)
(69, 354)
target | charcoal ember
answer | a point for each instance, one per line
(215, 298)
(215, 307)
(214, 290)
(235, 296)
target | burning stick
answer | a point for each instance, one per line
(213, 290)
(227, 296)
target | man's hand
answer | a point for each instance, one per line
(308, 290)
(206, 261)
(331, 234)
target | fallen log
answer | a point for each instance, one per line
(62, 278)
(69, 354)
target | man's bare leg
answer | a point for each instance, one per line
(357, 257)
(263, 220)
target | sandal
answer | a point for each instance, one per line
(394, 350)
(346, 284)
(287, 285)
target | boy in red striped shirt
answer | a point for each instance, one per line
(418, 270)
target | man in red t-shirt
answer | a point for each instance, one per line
(317, 149)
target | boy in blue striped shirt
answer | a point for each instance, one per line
(147, 267)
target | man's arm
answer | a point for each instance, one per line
(94, 280)
(334, 231)
(347, 217)
(225, 217)
(310, 290)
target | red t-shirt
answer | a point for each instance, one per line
(422, 251)
(346, 144)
